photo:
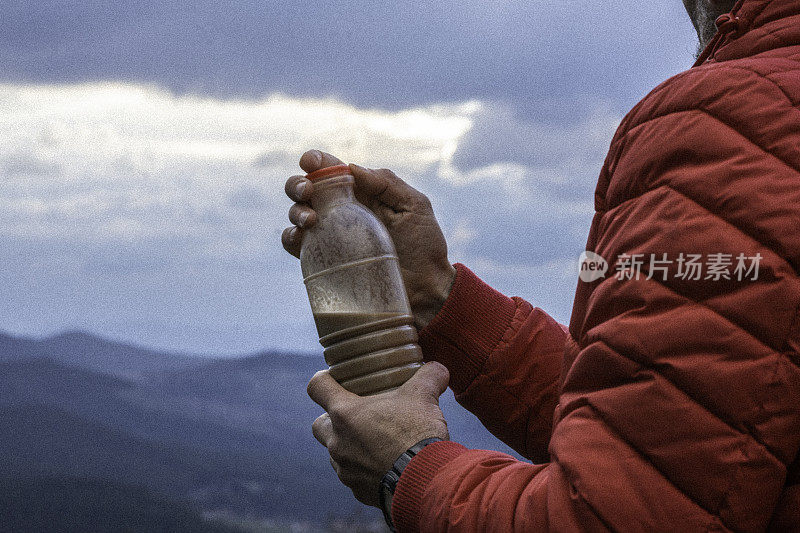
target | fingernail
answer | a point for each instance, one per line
(301, 188)
(317, 155)
(303, 218)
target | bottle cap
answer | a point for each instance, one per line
(328, 172)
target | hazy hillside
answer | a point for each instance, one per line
(87, 351)
(229, 435)
(74, 505)
(19, 348)
(150, 412)
(42, 440)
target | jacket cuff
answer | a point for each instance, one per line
(470, 325)
(407, 499)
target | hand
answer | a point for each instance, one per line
(365, 435)
(406, 213)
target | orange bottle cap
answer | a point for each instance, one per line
(328, 172)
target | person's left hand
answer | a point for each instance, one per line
(365, 435)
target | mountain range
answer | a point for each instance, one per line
(228, 437)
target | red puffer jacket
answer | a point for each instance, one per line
(672, 403)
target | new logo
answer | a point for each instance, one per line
(592, 267)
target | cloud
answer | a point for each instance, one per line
(28, 165)
(541, 56)
(562, 156)
(156, 217)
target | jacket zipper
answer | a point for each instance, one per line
(727, 25)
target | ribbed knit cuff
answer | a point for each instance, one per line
(407, 499)
(468, 328)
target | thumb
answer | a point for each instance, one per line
(429, 381)
(383, 185)
(326, 391)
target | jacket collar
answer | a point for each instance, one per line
(752, 27)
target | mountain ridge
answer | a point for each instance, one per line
(79, 347)
(241, 425)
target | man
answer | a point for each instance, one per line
(672, 402)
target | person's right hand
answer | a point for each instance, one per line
(407, 215)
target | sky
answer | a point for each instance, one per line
(144, 146)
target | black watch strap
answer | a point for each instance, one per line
(392, 477)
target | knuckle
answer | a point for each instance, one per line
(301, 215)
(424, 201)
(318, 424)
(286, 236)
(388, 174)
(298, 187)
(335, 449)
(311, 388)
(291, 184)
(290, 238)
(340, 413)
(337, 411)
(313, 383)
(439, 369)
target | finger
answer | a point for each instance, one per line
(302, 216)
(299, 188)
(322, 429)
(292, 239)
(384, 185)
(430, 381)
(326, 392)
(316, 159)
(336, 467)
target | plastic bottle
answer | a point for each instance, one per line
(352, 276)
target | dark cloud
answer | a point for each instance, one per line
(248, 199)
(26, 165)
(564, 159)
(161, 222)
(180, 248)
(536, 230)
(539, 55)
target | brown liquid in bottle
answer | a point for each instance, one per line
(369, 353)
(356, 290)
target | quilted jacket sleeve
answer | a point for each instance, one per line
(680, 405)
(504, 358)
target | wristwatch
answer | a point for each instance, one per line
(390, 479)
